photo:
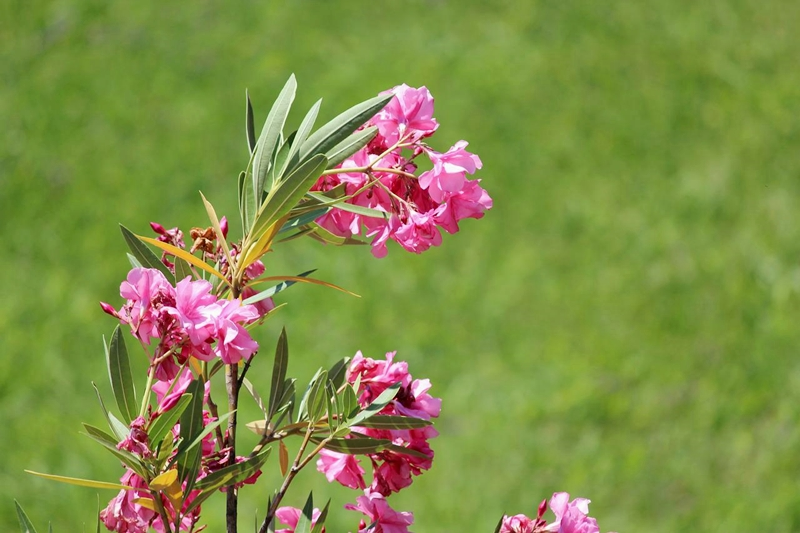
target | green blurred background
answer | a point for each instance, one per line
(622, 325)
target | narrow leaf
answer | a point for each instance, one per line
(352, 144)
(323, 515)
(302, 134)
(272, 291)
(233, 474)
(270, 134)
(249, 126)
(82, 482)
(338, 372)
(325, 236)
(394, 422)
(317, 397)
(255, 395)
(342, 126)
(375, 407)
(304, 521)
(25, 524)
(133, 261)
(191, 426)
(405, 451)
(212, 216)
(183, 254)
(283, 456)
(141, 252)
(303, 279)
(116, 427)
(182, 270)
(119, 373)
(357, 446)
(279, 367)
(302, 220)
(164, 422)
(281, 161)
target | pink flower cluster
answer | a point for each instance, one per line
(383, 518)
(187, 319)
(571, 517)
(391, 470)
(382, 177)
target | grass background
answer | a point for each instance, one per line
(622, 325)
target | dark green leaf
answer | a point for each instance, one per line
(406, 451)
(163, 423)
(338, 372)
(119, 373)
(125, 457)
(499, 524)
(358, 445)
(281, 161)
(118, 428)
(279, 366)
(249, 126)
(349, 402)
(394, 422)
(323, 235)
(304, 409)
(301, 220)
(140, 251)
(350, 145)
(375, 407)
(98, 433)
(271, 133)
(209, 428)
(323, 515)
(182, 270)
(304, 521)
(233, 474)
(338, 129)
(25, 524)
(191, 426)
(317, 397)
(284, 196)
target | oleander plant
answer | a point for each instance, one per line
(191, 303)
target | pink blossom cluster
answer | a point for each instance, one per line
(125, 513)
(571, 517)
(187, 319)
(391, 470)
(383, 177)
(373, 505)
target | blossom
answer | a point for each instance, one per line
(291, 515)
(234, 343)
(410, 113)
(122, 514)
(571, 516)
(449, 170)
(517, 524)
(380, 515)
(342, 467)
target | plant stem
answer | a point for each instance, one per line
(232, 496)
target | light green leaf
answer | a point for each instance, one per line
(344, 206)
(119, 373)
(270, 134)
(145, 255)
(289, 192)
(350, 145)
(133, 261)
(321, 234)
(281, 161)
(125, 457)
(405, 451)
(25, 524)
(357, 446)
(272, 291)
(256, 397)
(375, 407)
(119, 429)
(338, 129)
(279, 366)
(81, 482)
(301, 135)
(301, 220)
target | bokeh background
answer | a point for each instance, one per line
(623, 325)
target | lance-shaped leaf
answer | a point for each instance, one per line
(281, 161)
(232, 474)
(119, 373)
(279, 366)
(81, 482)
(191, 426)
(394, 422)
(300, 136)
(119, 429)
(183, 254)
(375, 407)
(306, 516)
(304, 411)
(323, 515)
(405, 451)
(208, 429)
(285, 195)
(127, 458)
(272, 291)
(182, 270)
(349, 402)
(25, 524)
(304, 219)
(142, 253)
(249, 126)
(255, 395)
(338, 372)
(318, 397)
(350, 145)
(164, 422)
(324, 236)
(356, 446)
(342, 126)
(270, 134)
(499, 525)
(283, 457)
(133, 261)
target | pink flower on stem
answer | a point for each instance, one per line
(380, 515)
(571, 516)
(234, 343)
(517, 524)
(449, 171)
(291, 515)
(470, 202)
(342, 467)
(122, 514)
(410, 113)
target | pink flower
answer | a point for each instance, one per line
(122, 514)
(341, 467)
(418, 234)
(378, 513)
(449, 170)
(137, 440)
(234, 343)
(571, 516)
(410, 113)
(470, 202)
(146, 290)
(291, 515)
(192, 299)
(517, 524)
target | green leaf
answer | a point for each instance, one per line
(160, 426)
(284, 196)
(275, 289)
(279, 367)
(499, 524)
(304, 521)
(342, 126)
(350, 145)
(98, 433)
(249, 126)
(301, 220)
(338, 372)
(119, 429)
(375, 407)
(182, 270)
(209, 428)
(304, 411)
(119, 373)
(317, 397)
(255, 395)
(394, 422)
(133, 261)
(301, 135)
(80, 482)
(320, 523)
(281, 161)
(25, 524)
(404, 451)
(344, 206)
(125, 457)
(357, 446)
(323, 235)
(233, 474)
(140, 251)
(191, 426)
(270, 134)
(349, 402)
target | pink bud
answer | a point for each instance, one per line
(223, 225)
(108, 309)
(542, 508)
(158, 228)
